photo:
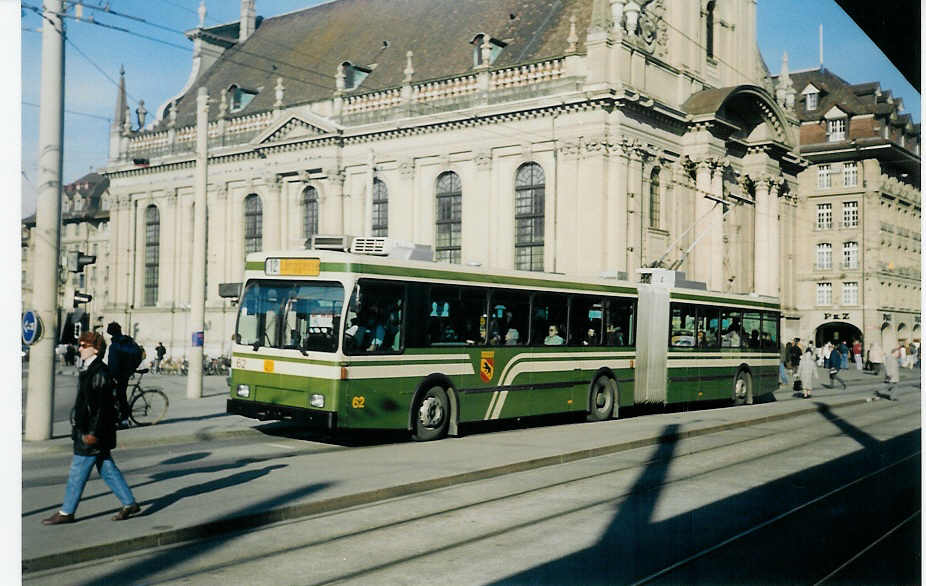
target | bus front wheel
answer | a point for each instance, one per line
(432, 415)
(742, 388)
(601, 399)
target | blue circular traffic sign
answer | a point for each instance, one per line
(32, 327)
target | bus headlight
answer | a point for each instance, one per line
(243, 391)
(317, 400)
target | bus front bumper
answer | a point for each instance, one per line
(268, 411)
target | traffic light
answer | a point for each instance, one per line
(78, 260)
(81, 298)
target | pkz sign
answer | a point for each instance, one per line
(836, 315)
(32, 327)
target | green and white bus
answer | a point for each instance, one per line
(346, 340)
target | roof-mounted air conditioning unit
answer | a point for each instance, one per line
(340, 243)
(383, 246)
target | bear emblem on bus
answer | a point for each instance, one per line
(487, 366)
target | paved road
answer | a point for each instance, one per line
(788, 500)
(204, 474)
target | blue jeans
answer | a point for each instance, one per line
(81, 467)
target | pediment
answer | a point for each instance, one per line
(294, 127)
(834, 113)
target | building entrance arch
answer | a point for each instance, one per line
(836, 332)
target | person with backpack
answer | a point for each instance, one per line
(124, 357)
(159, 351)
(93, 432)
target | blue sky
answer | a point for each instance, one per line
(156, 71)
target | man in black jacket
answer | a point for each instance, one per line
(94, 434)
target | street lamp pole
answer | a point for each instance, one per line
(40, 400)
(194, 383)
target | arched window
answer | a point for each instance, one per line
(253, 224)
(310, 217)
(152, 254)
(654, 199)
(449, 217)
(709, 40)
(380, 209)
(529, 195)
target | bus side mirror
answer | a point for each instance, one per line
(230, 291)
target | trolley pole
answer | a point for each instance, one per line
(194, 382)
(40, 399)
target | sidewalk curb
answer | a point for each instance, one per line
(250, 521)
(67, 448)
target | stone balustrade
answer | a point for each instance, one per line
(529, 74)
(241, 128)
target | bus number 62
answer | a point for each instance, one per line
(358, 402)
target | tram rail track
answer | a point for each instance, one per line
(883, 413)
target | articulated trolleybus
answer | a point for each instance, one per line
(358, 334)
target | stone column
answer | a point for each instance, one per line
(762, 267)
(634, 211)
(405, 224)
(591, 202)
(699, 257)
(616, 236)
(715, 224)
(566, 254)
(335, 194)
(276, 214)
(218, 219)
(774, 231)
(490, 250)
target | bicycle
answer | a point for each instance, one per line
(146, 406)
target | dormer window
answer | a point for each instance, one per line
(354, 75)
(836, 130)
(811, 97)
(812, 100)
(495, 49)
(239, 98)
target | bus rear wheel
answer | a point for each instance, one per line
(742, 388)
(432, 415)
(601, 399)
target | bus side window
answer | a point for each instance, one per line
(769, 338)
(548, 323)
(472, 315)
(708, 327)
(752, 328)
(682, 325)
(417, 315)
(508, 318)
(586, 318)
(619, 329)
(375, 316)
(731, 328)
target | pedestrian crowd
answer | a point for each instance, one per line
(801, 361)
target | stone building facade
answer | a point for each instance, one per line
(581, 137)
(84, 228)
(857, 256)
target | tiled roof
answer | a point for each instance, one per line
(854, 99)
(305, 47)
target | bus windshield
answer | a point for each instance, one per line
(291, 315)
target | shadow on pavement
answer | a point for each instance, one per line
(206, 487)
(635, 546)
(214, 534)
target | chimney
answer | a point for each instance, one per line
(248, 20)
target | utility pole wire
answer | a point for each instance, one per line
(25, 103)
(109, 10)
